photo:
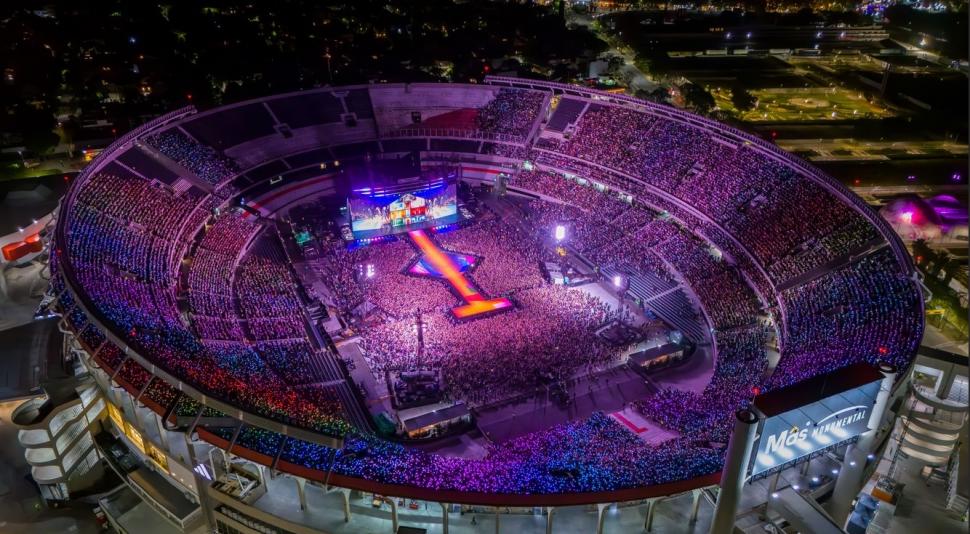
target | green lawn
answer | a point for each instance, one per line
(803, 104)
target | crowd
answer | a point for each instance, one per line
(608, 136)
(512, 112)
(391, 289)
(642, 241)
(134, 375)
(506, 150)
(546, 340)
(740, 366)
(508, 259)
(579, 192)
(161, 393)
(729, 301)
(505, 262)
(759, 281)
(593, 454)
(125, 272)
(202, 160)
(817, 252)
(790, 224)
(210, 276)
(268, 301)
(860, 312)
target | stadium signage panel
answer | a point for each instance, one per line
(795, 434)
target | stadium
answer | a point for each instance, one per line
(515, 294)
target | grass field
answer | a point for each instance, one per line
(803, 104)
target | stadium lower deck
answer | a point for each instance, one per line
(204, 312)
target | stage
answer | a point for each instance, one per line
(451, 267)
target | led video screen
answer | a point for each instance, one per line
(380, 212)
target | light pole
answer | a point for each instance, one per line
(560, 233)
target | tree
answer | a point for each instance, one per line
(697, 98)
(742, 99)
(921, 252)
(951, 267)
(930, 256)
(940, 261)
(658, 95)
(36, 126)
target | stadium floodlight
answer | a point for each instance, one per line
(560, 232)
(618, 281)
(370, 272)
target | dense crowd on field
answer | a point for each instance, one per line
(546, 339)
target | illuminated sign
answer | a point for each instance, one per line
(813, 415)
